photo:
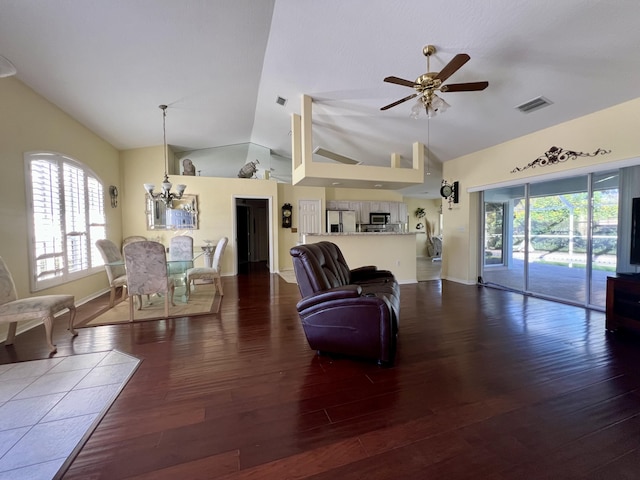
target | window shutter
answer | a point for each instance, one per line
(47, 221)
(67, 218)
(97, 218)
(75, 218)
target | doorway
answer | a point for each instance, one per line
(253, 235)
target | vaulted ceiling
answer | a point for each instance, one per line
(220, 65)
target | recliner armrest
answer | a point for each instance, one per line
(367, 273)
(338, 293)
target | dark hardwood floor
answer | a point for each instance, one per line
(487, 384)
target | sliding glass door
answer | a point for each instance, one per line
(604, 234)
(503, 255)
(558, 226)
(554, 239)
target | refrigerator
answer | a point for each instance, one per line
(341, 221)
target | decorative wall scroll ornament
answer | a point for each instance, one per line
(556, 155)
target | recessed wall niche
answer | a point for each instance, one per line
(226, 162)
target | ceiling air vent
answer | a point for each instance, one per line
(535, 104)
(281, 101)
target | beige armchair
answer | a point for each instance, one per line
(44, 307)
(209, 273)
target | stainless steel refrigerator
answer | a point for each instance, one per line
(340, 221)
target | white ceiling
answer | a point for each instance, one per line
(221, 64)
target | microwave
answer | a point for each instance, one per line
(378, 218)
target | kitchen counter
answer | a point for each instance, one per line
(386, 250)
(332, 234)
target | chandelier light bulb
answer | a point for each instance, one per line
(415, 111)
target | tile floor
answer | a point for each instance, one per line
(49, 407)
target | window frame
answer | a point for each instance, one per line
(89, 255)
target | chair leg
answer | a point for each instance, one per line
(72, 316)
(218, 281)
(139, 297)
(131, 301)
(48, 329)
(166, 306)
(112, 297)
(173, 291)
(11, 334)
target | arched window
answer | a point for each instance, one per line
(66, 217)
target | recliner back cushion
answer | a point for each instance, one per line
(315, 270)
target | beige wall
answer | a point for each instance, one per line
(28, 122)
(387, 252)
(364, 194)
(216, 202)
(432, 214)
(612, 129)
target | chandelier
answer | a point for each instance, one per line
(166, 195)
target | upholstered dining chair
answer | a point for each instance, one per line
(131, 239)
(181, 248)
(44, 307)
(146, 266)
(209, 273)
(114, 265)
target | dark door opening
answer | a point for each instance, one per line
(252, 228)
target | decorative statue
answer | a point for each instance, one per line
(249, 170)
(188, 168)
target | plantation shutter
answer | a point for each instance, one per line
(97, 218)
(67, 218)
(75, 218)
(47, 220)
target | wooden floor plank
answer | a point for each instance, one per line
(486, 384)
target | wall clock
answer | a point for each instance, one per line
(449, 191)
(287, 211)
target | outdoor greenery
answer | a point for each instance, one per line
(558, 223)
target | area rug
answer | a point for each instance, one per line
(202, 301)
(288, 276)
(50, 407)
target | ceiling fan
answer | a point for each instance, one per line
(427, 84)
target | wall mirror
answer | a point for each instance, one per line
(182, 214)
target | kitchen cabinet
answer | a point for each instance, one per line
(397, 210)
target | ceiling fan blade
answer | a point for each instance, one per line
(387, 107)
(452, 67)
(399, 81)
(464, 87)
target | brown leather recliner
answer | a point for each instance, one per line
(350, 312)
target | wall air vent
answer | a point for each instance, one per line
(535, 104)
